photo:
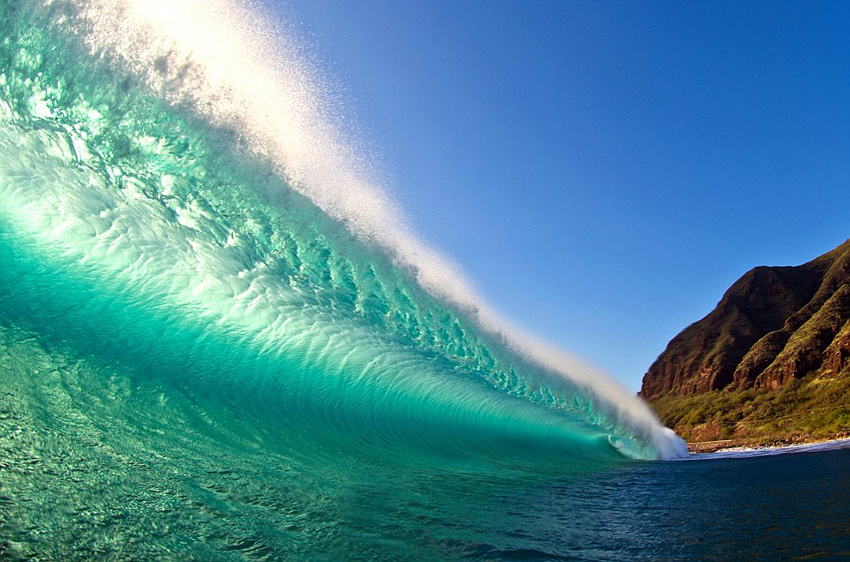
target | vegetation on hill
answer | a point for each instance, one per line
(807, 409)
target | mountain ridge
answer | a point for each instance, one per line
(770, 362)
(744, 342)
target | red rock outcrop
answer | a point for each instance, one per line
(773, 325)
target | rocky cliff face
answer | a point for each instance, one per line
(775, 324)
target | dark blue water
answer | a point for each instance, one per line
(783, 507)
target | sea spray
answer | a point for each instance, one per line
(199, 281)
(241, 72)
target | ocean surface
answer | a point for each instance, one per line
(219, 340)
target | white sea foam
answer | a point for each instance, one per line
(247, 72)
(750, 452)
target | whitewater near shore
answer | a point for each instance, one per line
(720, 448)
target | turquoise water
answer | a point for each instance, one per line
(217, 344)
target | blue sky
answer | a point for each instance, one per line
(602, 171)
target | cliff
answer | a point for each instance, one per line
(770, 364)
(773, 325)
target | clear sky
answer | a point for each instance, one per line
(602, 171)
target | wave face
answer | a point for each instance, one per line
(215, 331)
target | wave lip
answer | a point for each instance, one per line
(226, 255)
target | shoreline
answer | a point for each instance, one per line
(735, 446)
